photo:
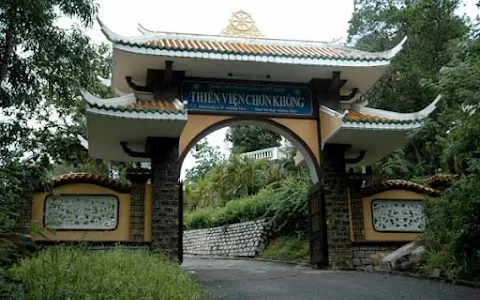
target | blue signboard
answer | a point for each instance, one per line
(247, 98)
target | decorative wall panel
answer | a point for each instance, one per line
(81, 212)
(398, 216)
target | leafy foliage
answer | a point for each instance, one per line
(284, 203)
(453, 221)
(430, 26)
(453, 229)
(410, 83)
(41, 68)
(235, 178)
(293, 247)
(206, 158)
(71, 273)
(251, 137)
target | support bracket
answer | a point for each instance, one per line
(361, 156)
(132, 153)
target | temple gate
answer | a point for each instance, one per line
(173, 89)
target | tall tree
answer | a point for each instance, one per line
(410, 83)
(430, 26)
(206, 158)
(41, 66)
(251, 137)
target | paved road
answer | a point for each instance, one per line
(246, 279)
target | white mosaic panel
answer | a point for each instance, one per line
(91, 212)
(398, 215)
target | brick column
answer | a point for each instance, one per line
(138, 178)
(166, 230)
(24, 218)
(355, 184)
(336, 206)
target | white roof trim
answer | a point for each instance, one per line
(332, 112)
(138, 115)
(419, 115)
(119, 92)
(148, 35)
(178, 104)
(105, 81)
(111, 102)
(394, 51)
(254, 58)
(372, 127)
(143, 30)
(381, 126)
(82, 141)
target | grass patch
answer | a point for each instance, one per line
(290, 248)
(74, 273)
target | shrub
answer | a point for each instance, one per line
(283, 202)
(453, 229)
(73, 273)
(290, 248)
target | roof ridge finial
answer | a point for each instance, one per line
(241, 24)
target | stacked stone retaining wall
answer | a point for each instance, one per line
(236, 240)
(364, 255)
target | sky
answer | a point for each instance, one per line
(318, 20)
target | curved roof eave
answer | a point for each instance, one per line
(254, 58)
(419, 115)
(123, 100)
(140, 115)
(374, 59)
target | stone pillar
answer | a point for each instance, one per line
(23, 221)
(336, 206)
(355, 185)
(166, 227)
(138, 178)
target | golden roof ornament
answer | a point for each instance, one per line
(241, 24)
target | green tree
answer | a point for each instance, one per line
(206, 158)
(234, 178)
(41, 68)
(251, 137)
(410, 83)
(430, 26)
(453, 221)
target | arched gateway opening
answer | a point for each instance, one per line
(175, 88)
(199, 126)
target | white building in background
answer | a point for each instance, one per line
(271, 154)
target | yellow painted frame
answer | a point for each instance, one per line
(148, 213)
(120, 234)
(374, 236)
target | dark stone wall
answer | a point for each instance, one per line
(165, 196)
(357, 210)
(137, 206)
(334, 182)
(366, 255)
(24, 218)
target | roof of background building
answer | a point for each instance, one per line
(100, 180)
(398, 184)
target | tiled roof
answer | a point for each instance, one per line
(248, 49)
(270, 49)
(399, 185)
(148, 106)
(100, 180)
(359, 117)
(356, 117)
(439, 179)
